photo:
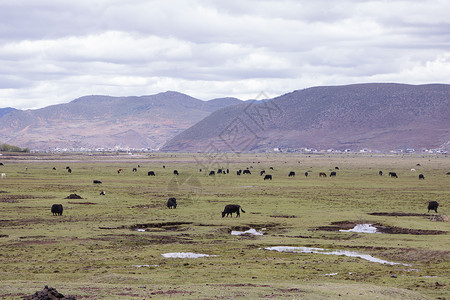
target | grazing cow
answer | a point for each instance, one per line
(69, 170)
(418, 165)
(175, 172)
(97, 181)
(151, 173)
(306, 174)
(421, 176)
(247, 172)
(380, 173)
(393, 174)
(413, 170)
(211, 173)
(3, 175)
(322, 174)
(1, 164)
(262, 173)
(291, 174)
(172, 202)
(271, 168)
(332, 174)
(448, 173)
(268, 177)
(54, 168)
(433, 205)
(67, 167)
(238, 172)
(120, 170)
(57, 209)
(219, 171)
(102, 193)
(336, 168)
(230, 209)
(134, 169)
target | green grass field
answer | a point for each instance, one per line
(95, 251)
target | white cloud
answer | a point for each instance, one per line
(54, 51)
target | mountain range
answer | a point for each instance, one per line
(380, 116)
(105, 122)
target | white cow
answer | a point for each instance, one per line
(3, 175)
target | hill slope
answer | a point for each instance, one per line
(378, 116)
(103, 121)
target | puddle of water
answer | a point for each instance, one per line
(186, 255)
(332, 252)
(250, 231)
(363, 228)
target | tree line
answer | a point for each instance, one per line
(11, 148)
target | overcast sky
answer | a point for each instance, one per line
(54, 51)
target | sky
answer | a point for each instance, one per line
(54, 51)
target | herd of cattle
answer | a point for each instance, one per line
(57, 209)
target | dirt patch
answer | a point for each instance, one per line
(346, 225)
(73, 196)
(48, 293)
(172, 226)
(398, 214)
(84, 203)
(399, 230)
(143, 240)
(147, 206)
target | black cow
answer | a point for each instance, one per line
(246, 172)
(262, 173)
(230, 209)
(211, 173)
(336, 168)
(433, 205)
(151, 173)
(57, 209)
(421, 176)
(291, 174)
(380, 173)
(175, 172)
(393, 174)
(219, 171)
(172, 202)
(448, 173)
(102, 193)
(54, 168)
(228, 171)
(134, 169)
(306, 174)
(97, 181)
(268, 177)
(332, 174)
(271, 168)
(322, 174)
(69, 170)
(238, 172)
(1, 164)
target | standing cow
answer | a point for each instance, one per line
(172, 202)
(433, 205)
(57, 209)
(421, 176)
(291, 174)
(268, 177)
(232, 208)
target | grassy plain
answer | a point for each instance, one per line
(94, 250)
